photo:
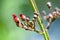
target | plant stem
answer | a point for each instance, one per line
(40, 22)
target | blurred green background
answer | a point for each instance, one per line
(8, 29)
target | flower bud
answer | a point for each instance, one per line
(15, 18)
(49, 5)
(27, 18)
(44, 13)
(22, 16)
(50, 15)
(36, 13)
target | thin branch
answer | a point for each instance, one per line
(40, 22)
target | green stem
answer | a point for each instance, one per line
(40, 22)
